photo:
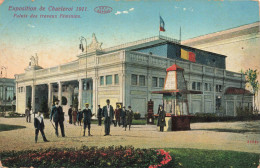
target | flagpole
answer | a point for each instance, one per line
(159, 24)
(180, 34)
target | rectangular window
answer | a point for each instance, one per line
(198, 85)
(218, 102)
(116, 79)
(161, 82)
(218, 88)
(134, 79)
(210, 87)
(21, 89)
(193, 85)
(109, 80)
(101, 80)
(1, 92)
(142, 80)
(155, 84)
(206, 87)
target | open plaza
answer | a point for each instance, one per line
(230, 136)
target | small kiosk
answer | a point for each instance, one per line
(175, 100)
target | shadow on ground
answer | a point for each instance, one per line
(229, 130)
(6, 127)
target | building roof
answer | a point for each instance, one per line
(174, 67)
(225, 34)
(237, 91)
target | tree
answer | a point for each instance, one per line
(251, 79)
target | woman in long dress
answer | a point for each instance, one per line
(74, 115)
(161, 119)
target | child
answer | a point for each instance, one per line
(39, 126)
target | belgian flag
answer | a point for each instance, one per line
(187, 55)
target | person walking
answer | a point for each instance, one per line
(117, 116)
(79, 117)
(99, 115)
(70, 114)
(161, 119)
(27, 114)
(129, 117)
(108, 114)
(39, 126)
(87, 119)
(123, 115)
(74, 115)
(58, 117)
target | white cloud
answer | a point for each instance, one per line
(118, 13)
(125, 12)
(31, 26)
(176, 7)
(184, 9)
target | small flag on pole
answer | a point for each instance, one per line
(162, 24)
(188, 55)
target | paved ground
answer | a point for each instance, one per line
(215, 136)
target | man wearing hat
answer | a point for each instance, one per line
(99, 115)
(58, 118)
(108, 113)
(129, 117)
(87, 119)
(122, 115)
(39, 126)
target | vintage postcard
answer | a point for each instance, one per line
(129, 83)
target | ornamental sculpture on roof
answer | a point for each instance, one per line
(33, 61)
(94, 45)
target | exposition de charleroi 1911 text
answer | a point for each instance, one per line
(50, 9)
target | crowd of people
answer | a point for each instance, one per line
(119, 117)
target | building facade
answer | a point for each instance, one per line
(128, 73)
(240, 45)
(7, 94)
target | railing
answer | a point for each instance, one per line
(146, 40)
(70, 66)
(108, 58)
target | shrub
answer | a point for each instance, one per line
(88, 157)
(12, 114)
(137, 115)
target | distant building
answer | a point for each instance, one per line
(7, 94)
(128, 73)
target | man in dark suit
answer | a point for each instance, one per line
(70, 114)
(108, 113)
(99, 115)
(87, 119)
(27, 114)
(58, 117)
(39, 126)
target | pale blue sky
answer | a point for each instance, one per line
(196, 17)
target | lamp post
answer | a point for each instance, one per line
(82, 49)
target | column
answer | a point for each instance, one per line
(49, 95)
(16, 94)
(25, 91)
(33, 98)
(60, 91)
(95, 98)
(80, 93)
